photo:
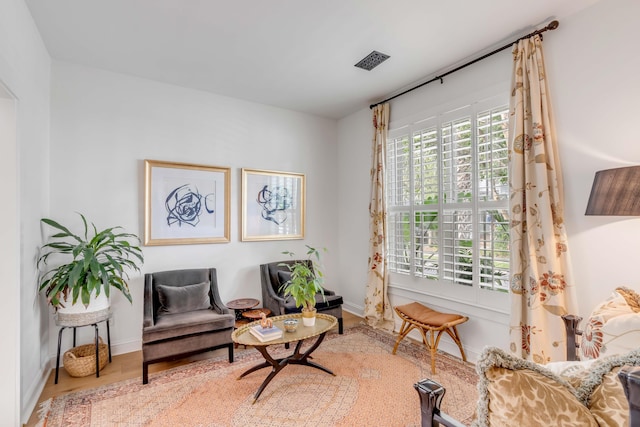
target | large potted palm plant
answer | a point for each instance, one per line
(79, 271)
(305, 282)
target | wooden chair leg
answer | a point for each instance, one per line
(456, 338)
(433, 347)
(145, 373)
(403, 333)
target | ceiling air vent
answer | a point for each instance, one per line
(372, 60)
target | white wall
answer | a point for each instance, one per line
(354, 165)
(593, 75)
(103, 127)
(10, 255)
(24, 72)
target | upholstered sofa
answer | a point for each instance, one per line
(602, 388)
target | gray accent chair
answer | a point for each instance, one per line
(274, 274)
(183, 315)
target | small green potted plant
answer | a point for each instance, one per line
(85, 267)
(305, 282)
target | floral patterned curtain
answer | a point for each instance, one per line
(541, 286)
(377, 309)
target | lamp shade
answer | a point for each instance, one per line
(615, 192)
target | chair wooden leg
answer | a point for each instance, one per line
(456, 339)
(403, 333)
(145, 373)
(425, 340)
(433, 347)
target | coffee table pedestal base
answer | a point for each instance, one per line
(277, 365)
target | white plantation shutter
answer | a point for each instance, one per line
(447, 194)
(492, 156)
(398, 185)
(456, 245)
(457, 161)
(426, 195)
(493, 198)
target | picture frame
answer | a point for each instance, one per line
(273, 205)
(186, 203)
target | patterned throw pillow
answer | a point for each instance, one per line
(513, 391)
(573, 371)
(613, 327)
(631, 297)
(602, 391)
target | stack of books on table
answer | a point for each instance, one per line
(266, 334)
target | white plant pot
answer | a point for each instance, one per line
(78, 314)
(309, 318)
(309, 321)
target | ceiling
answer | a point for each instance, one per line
(294, 54)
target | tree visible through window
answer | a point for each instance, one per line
(448, 197)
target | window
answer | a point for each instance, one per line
(448, 198)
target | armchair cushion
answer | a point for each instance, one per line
(274, 274)
(323, 302)
(189, 323)
(513, 391)
(182, 299)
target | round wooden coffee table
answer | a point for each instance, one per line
(324, 323)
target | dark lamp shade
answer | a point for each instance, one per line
(615, 192)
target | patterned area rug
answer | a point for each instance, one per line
(371, 387)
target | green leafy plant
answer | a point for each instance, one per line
(97, 262)
(306, 279)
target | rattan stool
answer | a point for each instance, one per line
(417, 316)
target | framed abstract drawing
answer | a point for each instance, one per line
(185, 203)
(273, 205)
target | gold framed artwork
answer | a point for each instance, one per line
(273, 205)
(186, 203)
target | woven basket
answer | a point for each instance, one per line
(81, 361)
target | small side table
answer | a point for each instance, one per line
(241, 305)
(256, 314)
(78, 323)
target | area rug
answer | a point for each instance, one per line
(371, 387)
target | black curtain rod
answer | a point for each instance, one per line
(552, 26)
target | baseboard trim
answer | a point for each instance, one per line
(34, 391)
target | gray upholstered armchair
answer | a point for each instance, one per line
(274, 274)
(183, 315)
